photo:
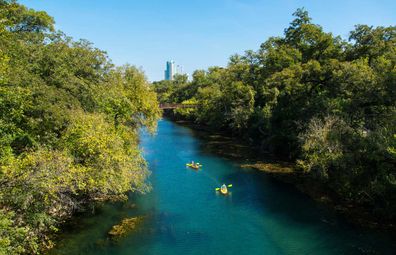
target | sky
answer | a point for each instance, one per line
(197, 34)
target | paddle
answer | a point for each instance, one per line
(197, 164)
(229, 186)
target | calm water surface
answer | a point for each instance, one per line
(184, 215)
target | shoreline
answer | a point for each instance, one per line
(250, 157)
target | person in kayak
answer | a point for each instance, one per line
(223, 188)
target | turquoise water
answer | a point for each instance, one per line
(184, 215)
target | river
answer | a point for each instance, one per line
(184, 214)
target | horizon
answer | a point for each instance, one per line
(200, 34)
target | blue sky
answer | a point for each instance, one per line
(198, 33)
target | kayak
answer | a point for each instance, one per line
(195, 166)
(224, 191)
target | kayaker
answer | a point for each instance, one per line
(224, 188)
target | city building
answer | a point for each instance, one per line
(170, 70)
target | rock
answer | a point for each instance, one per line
(273, 168)
(126, 226)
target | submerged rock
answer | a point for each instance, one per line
(126, 226)
(273, 168)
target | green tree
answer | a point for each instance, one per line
(69, 124)
(327, 104)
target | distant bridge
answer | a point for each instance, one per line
(177, 106)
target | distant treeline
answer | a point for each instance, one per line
(323, 102)
(68, 128)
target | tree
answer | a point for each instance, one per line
(314, 99)
(69, 124)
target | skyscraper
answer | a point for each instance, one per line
(170, 70)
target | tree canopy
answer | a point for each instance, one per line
(326, 103)
(69, 123)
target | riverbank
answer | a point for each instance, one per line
(250, 157)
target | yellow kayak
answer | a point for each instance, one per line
(224, 191)
(194, 166)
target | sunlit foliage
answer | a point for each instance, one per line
(69, 123)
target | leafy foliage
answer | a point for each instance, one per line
(311, 97)
(68, 128)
